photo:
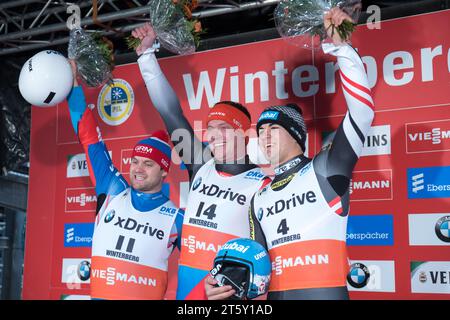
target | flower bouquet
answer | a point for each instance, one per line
(173, 24)
(301, 21)
(93, 55)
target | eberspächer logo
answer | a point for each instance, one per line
(429, 182)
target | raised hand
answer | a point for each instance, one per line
(73, 64)
(332, 20)
(147, 36)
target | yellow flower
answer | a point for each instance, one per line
(198, 27)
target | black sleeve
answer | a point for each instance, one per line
(339, 159)
(256, 232)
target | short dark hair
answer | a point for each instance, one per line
(238, 106)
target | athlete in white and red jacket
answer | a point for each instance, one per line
(301, 216)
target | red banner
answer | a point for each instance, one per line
(408, 64)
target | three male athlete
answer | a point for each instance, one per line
(136, 226)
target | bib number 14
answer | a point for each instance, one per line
(208, 212)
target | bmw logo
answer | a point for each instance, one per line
(442, 228)
(358, 276)
(84, 270)
(263, 190)
(197, 183)
(260, 214)
(109, 216)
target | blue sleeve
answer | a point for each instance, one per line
(103, 174)
(107, 177)
(77, 106)
(179, 225)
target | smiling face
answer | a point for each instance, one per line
(277, 144)
(146, 175)
(226, 143)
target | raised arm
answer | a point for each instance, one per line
(167, 104)
(104, 176)
(337, 162)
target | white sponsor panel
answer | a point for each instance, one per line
(75, 271)
(380, 276)
(77, 165)
(428, 229)
(75, 297)
(430, 277)
(378, 141)
(184, 192)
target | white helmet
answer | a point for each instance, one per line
(46, 79)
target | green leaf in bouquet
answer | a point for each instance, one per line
(132, 42)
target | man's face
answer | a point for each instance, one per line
(276, 143)
(226, 143)
(146, 175)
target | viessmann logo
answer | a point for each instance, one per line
(112, 276)
(428, 136)
(193, 245)
(371, 185)
(80, 199)
(280, 263)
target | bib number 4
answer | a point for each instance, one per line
(283, 228)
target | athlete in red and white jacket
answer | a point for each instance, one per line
(301, 216)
